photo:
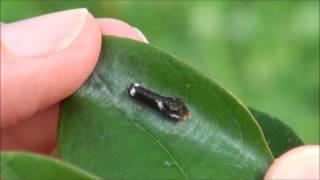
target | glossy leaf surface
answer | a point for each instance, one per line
(279, 136)
(105, 131)
(18, 165)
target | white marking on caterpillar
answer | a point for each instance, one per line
(132, 91)
(174, 116)
(160, 104)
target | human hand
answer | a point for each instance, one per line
(298, 163)
(44, 60)
(47, 58)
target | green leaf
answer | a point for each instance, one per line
(107, 132)
(279, 136)
(18, 165)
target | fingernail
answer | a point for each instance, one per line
(44, 34)
(144, 39)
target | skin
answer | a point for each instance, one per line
(44, 60)
(39, 68)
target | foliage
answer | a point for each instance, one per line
(265, 52)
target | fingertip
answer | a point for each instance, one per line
(144, 39)
(47, 33)
(298, 163)
(115, 27)
(34, 81)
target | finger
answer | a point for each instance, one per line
(44, 60)
(17, 136)
(37, 134)
(298, 163)
(114, 27)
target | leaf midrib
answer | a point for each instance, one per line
(157, 141)
(153, 138)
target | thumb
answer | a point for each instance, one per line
(44, 60)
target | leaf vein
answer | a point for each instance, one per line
(164, 148)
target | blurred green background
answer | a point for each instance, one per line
(264, 52)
